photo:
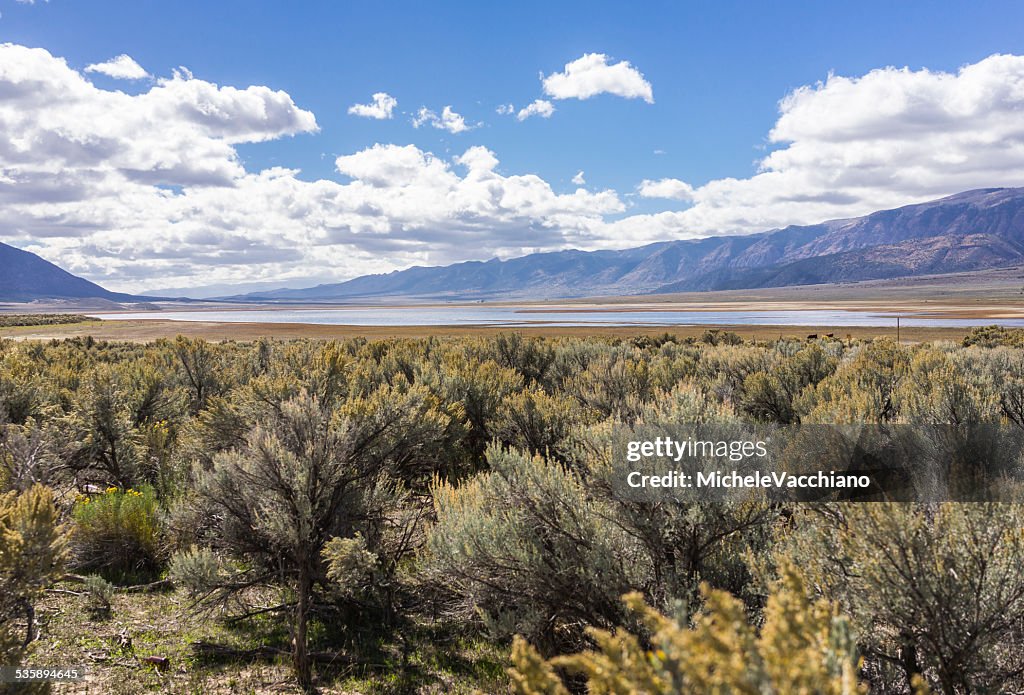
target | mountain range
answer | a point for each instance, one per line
(26, 277)
(975, 230)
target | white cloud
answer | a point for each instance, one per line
(381, 108)
(578, 179)
(123, 67)
(448, 120)
(665, 188)
(540, 107)
(383, 166)
(478, 160)
(126, 188)
(182, 131)
(852, 145)
(591, 75)
(505, 109)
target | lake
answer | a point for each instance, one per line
(513, 316)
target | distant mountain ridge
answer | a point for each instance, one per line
(974, 230)
(26, 277)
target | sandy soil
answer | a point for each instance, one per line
(148, 330)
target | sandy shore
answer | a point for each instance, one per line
(908, 309)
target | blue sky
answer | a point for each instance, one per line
(717, 72)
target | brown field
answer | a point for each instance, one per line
(150, 329)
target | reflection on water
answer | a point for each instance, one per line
(516, 317)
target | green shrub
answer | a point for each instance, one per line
(117, 534)
(11, 320)
(197, 569)
(33, 547)
(349, 564)
(525, 549)
(993, 336)
(98, 595)
(803, 646)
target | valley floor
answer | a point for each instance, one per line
(144, 331)
(986, 295)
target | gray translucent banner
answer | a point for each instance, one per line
(815, 463)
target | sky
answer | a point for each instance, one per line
(150, 145)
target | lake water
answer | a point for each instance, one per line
(513, 317)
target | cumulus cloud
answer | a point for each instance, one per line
(578, 178)
(181, 131)
(448, 120)
(540, 107)
(148, 189)
(122, 67)
(381, 107)
(407, 188)
(848, 146)
(477, 159)
(505, 109)
(665, 188)
(592, 74)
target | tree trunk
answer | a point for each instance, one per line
(908, 659)
(30, 623)
(300, 653)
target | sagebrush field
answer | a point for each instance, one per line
(436, 515)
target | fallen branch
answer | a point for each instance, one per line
(160, 585)
(259, 611)
(66, 591)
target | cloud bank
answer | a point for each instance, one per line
(149, 190)
(848, 146)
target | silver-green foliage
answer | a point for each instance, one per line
(527, 548)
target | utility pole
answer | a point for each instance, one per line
(897, 330)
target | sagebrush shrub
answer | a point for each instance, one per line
(803, 646)
(197, 569)
(33, 547)
(117, 533)
(98, 596)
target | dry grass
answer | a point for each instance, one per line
(165, 625)
(149, 330)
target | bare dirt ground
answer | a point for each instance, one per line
(149, 330)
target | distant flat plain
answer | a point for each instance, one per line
(986, 296)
